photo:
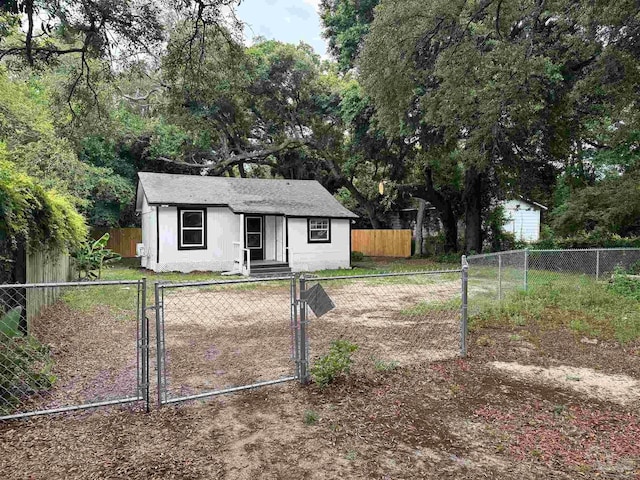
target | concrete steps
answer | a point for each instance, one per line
(270, 269)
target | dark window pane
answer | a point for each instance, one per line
(319, 234)
(319, 224)
(192, 237)
(254, 224)
(191, 219)
(254, 240)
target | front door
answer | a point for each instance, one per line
(254, 238)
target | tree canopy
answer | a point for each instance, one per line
(456, 103)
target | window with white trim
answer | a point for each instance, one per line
(192, 224)
(319, 230)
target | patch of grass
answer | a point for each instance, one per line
(385, 366)
(351, 455)
(310, 417)
(423, 308)
(555, 300)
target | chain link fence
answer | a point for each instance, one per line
(394, 319)
(70, 346)
(223, 336)
(493, 276)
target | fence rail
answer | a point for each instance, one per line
(121, 240)
(382, 243)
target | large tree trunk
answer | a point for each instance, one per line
(450, 226)
(473, 211)
(419, 222)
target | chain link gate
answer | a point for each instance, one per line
(72, 346)
(220, 337)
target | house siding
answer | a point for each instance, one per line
(148, 221)
(223, 228)
(523, 220)
(304, 256)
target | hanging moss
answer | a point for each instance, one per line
(40, 218)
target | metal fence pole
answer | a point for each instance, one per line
(304, 360)
(145, 347)
(597, 264)
(463, 311)
(159, 330)
(295, 346)
(526, 269)
(499, 278)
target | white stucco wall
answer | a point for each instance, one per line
(223, 228)
(523, 220)
(148, 221)
(304, 256)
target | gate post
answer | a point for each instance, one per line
(499, 278)
(145, 347)
(303, 349)
(463, 311)
(159, 342)
(295, 342)
(526, 269)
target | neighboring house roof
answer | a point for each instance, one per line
(303, 198)
(530, 202)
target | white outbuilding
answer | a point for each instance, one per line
(241, 225)
(523, 219)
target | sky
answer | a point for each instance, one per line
(289, 21)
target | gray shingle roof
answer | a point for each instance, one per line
(304, 198)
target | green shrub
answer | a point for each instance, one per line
(337, 362)
(595, 239)
(357, 256)
(25, 370)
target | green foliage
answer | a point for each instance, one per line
(25, 369)
(31, 214)
(357, 256)
(310, 417)
(595, 239)
(345, 24)
(624, 285)
(385, 366)
(612, 206)
(336, 363)
(93, 256)
(10, 323)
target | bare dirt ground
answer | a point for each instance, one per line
(216, 338)
(504, 412)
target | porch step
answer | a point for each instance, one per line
(275, 269)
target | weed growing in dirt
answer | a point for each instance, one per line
(351, 455)
(382, 366)
(337, 362)
(310, 417)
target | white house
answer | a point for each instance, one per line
(523, 219)
(249, 226)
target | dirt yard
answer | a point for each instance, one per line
(527, 403)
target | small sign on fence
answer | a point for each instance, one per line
(318, 300)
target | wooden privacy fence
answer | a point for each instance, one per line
(45, 267)
(121, 240)
(382, 243)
